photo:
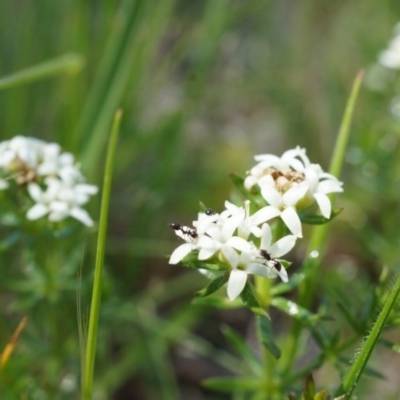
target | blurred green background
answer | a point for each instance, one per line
(204, 85)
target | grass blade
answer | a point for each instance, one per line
(66, 64)
(353, 375)
(96, 294)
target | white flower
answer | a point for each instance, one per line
(59, 201)
(52, 178)
(218, 238)
(284, 205)
(250, 260)
(248, 224)
(291, 160)
(275, 251)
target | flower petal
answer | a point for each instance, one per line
(231, 256)
(292, 221)
(208, 247)
(37, 211)
(294, 194)
(266, 237)
(282, 246)
(82, 216)
(180, 253)
(34, 191)
(329, 186)
(260, 269)
(271, 195)
(236, 283)
(282, 273)
(324, 204)
(238, 243)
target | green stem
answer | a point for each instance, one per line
(66, 64)
(353, 375)
(96, 295)
(319, 233)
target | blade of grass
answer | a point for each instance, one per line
(97, 284)
(353, 375)
(66, 64)
(138, 31)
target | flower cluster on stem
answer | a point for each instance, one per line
(242, 241)
(53, 180)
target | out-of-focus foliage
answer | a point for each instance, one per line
(204, 85)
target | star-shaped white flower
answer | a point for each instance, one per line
(218, 238)
(274, 251)
(248, 224)
(284, 205)
(249, 260)
(59, 201)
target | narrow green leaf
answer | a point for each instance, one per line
(353, 375)
(319, 219)
(343, 137)
(244, 350)
(214, 285)
(66, 64)
(295, 311)
(264, 331)
(233, 384)
(251, 302)
(98, 272)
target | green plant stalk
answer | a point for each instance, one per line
(319, 233)
(97, 284)
(353, 375)
(263, 292)
(66, 64)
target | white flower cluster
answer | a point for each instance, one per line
(53, 179)
(289, 183)
(226, 237)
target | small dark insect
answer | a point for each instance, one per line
(209, 212)
(264, 254)
(185, 230)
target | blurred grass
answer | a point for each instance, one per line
(204, 85)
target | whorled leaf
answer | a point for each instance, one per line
(264, 328)
(213, 286)
(191, 261)
(265, 335)
(319, 219)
